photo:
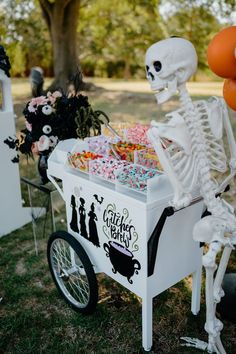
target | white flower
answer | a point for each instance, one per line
(57, 94)
(47, 110)
(47, 129)
(53, 140)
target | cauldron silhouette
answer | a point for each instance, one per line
(122, 260)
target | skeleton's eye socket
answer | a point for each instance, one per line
(147, 68)
(157, 66)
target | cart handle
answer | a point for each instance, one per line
(52, 179)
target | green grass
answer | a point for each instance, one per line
(34, 318)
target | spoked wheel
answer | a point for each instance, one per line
(72, 272)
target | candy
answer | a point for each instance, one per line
(137, 134)
(101, 144)
(106, 167)
(135, 176)
(147, 158)
(125, 150)
(81, 160)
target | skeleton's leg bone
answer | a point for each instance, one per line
(219, 345)
(218, 292)
(212, 326)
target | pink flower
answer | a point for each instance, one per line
(53, 96)
(35, 102)
(46, 142)
(43, 143)
(57, 94)
(28, 126)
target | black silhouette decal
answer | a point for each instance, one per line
(93, 234)
(82, 214)
(96, 197)
(122, 260)
(74, 219)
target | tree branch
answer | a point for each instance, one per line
(65, 3)
(46, 11)
(46, 6)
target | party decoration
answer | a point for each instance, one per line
(221, 53)
(229, 92)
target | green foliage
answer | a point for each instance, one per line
(119, 33)
(24, 35)
(197, 21)
(112, 40)
(88, 122)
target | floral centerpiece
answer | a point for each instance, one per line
(52, 118)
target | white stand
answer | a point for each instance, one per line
(12, 214)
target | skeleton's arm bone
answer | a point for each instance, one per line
(230, 136)
(179, 194)
(232, 147)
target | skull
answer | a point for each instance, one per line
(169, 64)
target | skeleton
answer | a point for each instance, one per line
(195, 131)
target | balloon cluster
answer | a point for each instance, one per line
(221, 56)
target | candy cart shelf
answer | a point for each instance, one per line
(141, 242)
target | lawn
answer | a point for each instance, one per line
(33, 317)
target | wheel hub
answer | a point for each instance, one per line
(64, 275)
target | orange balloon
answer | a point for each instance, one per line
(221, 55)
(229, 92)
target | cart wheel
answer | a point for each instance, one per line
(72, 272)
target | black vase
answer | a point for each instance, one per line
(42, 167)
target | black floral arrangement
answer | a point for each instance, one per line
(52, 118)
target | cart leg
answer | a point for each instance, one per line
(196, 290)
(147, 323)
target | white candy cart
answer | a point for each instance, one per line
(134, 237)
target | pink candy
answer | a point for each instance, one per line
(106, 167)
(138, 134)
(100, 144)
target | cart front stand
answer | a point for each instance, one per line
(196, 291)
(147, 323)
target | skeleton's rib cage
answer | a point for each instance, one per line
(184, 160)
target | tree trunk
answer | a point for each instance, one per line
(62, 19)
(127, 73)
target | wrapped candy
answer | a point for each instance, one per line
(124, 150)
(106, 167)
(135, 176)
(80, 160)
(137, 134)
(101, 144)
(147, 158)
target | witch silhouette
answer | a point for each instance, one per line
(82, 214)
(93, 234)
(74, 218)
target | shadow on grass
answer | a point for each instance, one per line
(34, 318)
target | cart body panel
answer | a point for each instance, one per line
(114, 224)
